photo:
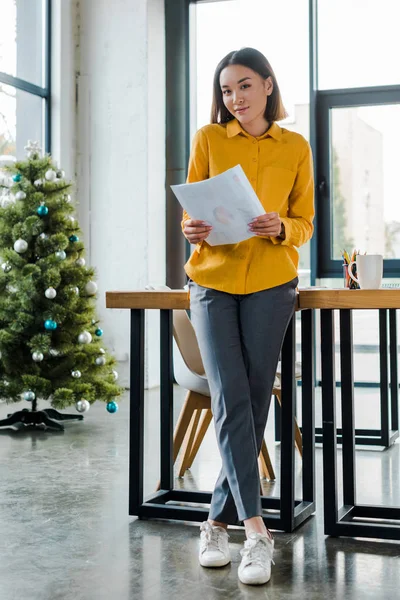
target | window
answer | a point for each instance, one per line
(24, 75)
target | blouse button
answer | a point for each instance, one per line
(254, 160)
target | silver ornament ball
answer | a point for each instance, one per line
(43, 236)
(75, 290)
(100, 361)
(80, 262)
(102, 351)
(82, 406)
(61, 255)
(29, 396)
(76, 374)
(50, 175)
(20, 195)
(6, 267)
(21, 246)
(115, 375)
(37, 356)
(50, 293)
(54, 352)
(85, 337)
(91, 288)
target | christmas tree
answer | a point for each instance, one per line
(50, 338)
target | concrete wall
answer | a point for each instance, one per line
(113, 138)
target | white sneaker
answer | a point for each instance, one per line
(214, 548)
(255, 568)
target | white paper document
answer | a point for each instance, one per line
(226, 201)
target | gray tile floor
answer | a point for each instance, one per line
(65, 533)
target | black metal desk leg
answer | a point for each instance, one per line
(383, 355)
(287, 431)
(166, 397)
(308, 403)
(394, 378)
(347, 395)
(329, 421)
(136, 418)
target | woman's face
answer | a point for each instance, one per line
(245, 93)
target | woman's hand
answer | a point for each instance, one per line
(196, 231)
(268, 225)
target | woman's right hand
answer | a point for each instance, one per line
(196, 231)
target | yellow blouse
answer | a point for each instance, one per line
(279, 166)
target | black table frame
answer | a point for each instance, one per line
(285, 512)
(352, 519)
(389, 398)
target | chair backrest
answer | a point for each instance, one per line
(186, 341)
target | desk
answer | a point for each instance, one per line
(353, 519)
(284, 512)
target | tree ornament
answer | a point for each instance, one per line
(50, 293)
(6, 267)
(32, 149)
(42, 211)
(75, 290)
(17, 177)
(80, 262)
(20, 195)
(85, 337)
(71, 219)
(37, 356)
(99, 332)
(44, 236)
(38, 182)
(73, 238)
(102, 351)
(21, 246)
(60, 174)
(112, 407)
(100, 361)
(50, 325)
(54, 352)
(50, 175)
(82, 406)
(91, 288)
(68, 198)
(115, 375)
(76, 374)
(29, 396)
(61, 255)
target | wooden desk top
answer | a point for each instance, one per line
(308, 298)
(343, 298)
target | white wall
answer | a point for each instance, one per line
(118, 149)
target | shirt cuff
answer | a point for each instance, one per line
(288, 230)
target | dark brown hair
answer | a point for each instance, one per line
(255, 60)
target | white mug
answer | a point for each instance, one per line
(369, 271)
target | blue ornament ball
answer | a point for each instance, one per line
(29, 396)
(50, 325)
(42, 211)
(73, 238)
(17, 177)
(112, 407)
(98, 332)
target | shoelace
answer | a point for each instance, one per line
(256, 552)
(210, 538)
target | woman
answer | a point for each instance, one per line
(242, 296)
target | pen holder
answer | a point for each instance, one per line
(347, 281)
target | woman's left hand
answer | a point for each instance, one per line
(269, 225)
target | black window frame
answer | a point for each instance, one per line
(36, 90)
(328, 100)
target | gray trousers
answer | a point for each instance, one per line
(240, 339)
